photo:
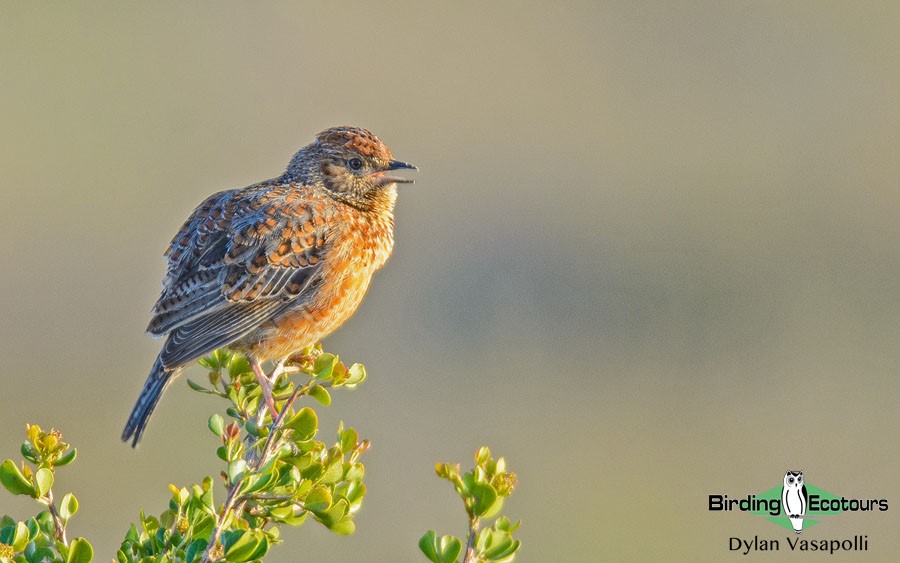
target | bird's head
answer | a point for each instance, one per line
(354, 167)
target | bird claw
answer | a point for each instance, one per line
(266, 385)
(268, 382)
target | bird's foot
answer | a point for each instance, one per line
(266, 386)
(281, 368)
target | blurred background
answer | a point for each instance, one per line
(662, 237)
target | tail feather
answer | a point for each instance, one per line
(156, 383)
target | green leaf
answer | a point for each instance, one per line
(451, 549)
(244, 546)
(496, 544)
(304, 424)
(355, 375)
(318, 500)
(179, 496)
(429, 545)
(339, 374)
(261, 549)
(238, 366)
(132, 534)
(463, 484)
(7, 533)
(80, 551)
(344, 527)
(68, 506)
(440, 550)
(45, 521)
(33, 527)
(313, 471)
(355, 472)
(198, 387)
(13, 480)
(320, 394)
(483, 539)
(236, 470)
(42, 555)
(324, 366)
(333, 472)
(216, 425)
(290, 515)
(335, 514)
(29, 551)
(256, 483)
(29, 452)
(349, 438)
(504, 524)
(354, 492)
(20, 537)
(487, 502)
(252, 428)
(66, 459)
(195, 550)
(43, 481)
(503, 552)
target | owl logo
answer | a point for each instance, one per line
(794, 499)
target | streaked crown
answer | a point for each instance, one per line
(355, 139)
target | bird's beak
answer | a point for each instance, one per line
(396, 165)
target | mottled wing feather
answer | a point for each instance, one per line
(205, 230)
(242, 258)
(200, 294)
(220, 328)
(195, 269)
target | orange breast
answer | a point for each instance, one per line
(348, 271)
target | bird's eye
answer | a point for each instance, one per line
(790, 479)
(355, 163)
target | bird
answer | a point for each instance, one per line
(794, 499)
(271, 268)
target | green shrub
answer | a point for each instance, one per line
(275, 473)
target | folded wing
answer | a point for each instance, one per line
(241, 259)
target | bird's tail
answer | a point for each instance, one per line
(156, 383)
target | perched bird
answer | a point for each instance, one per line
(271, 268)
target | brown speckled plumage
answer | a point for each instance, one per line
(271, 268)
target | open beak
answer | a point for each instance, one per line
(395, 165)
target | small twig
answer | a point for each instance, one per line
(217, 531)
(232, 500)
(57, 520)
(471, 554)
(277, 422)
(261, 414)
(267, 497)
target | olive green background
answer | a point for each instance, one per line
(651, 253)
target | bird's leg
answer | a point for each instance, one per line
(266, 386)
